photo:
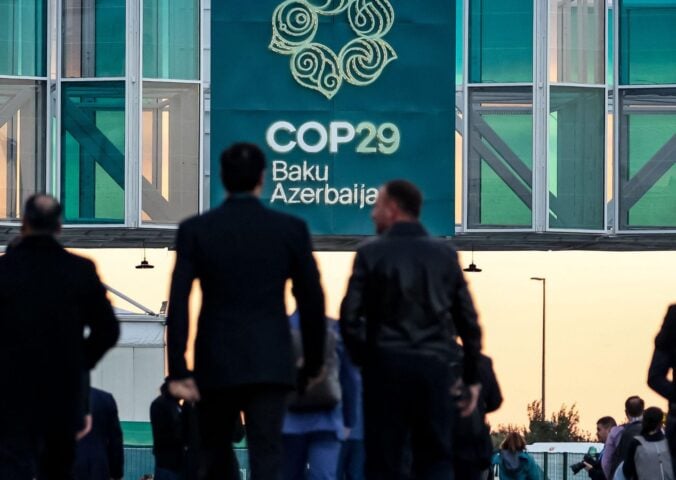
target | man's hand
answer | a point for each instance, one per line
(587, 466)
(312, 381)
(185, 389)
(468, 404)
(85, 429)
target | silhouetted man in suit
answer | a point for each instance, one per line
(47, 298)
(100, 454)
(243, 254)
(406, 300)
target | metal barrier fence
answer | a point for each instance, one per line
(139, 461)
(556, 466)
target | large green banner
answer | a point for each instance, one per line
(343, 95)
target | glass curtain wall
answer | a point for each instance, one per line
(577, 114)
(171, 111)
(646, 113)
(23, 47)
(499, 139)
(504, 115)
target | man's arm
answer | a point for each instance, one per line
(310, 299)
(104, 329)
(658, 374)
(352, 322)
(609, 450)
(629, 467)
(177, 320)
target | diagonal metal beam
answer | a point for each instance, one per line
(87, 134)
(649, 174)
(498, 166)
(9, 109)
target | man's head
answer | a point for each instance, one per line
(41, 216)
(398, 201)
(242, 168)
(603, 427)
(652, 420)
(633, 407)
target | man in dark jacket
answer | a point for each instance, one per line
(100, 454)
(243, 254)
(406, 300)
(47, 298)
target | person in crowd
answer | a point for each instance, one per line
(603, 427)
(351, 461)
(648, 456)
(472, 444)
(513, 462)
(664, 361)
(621, 436)
(99, 455)
(316, 422)
(406, 299)
(169, 442)
(48, 297)
(243, 254)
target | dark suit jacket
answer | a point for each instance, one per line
(407, 293)
(47, 298)
(100, 455)
(243, 254)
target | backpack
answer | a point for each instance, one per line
(653, 460)
(325, 394)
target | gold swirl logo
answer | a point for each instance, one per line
(316, 66)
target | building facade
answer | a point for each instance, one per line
(566, 113)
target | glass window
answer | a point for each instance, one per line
(170, 152)
(647, 153)
(610, 64)
(500, 158)
(93, 38)
(171, 39)
(647, 42)
(22, 144)
(92, 152)
(576, 158)
(500, 41)
(577, 41)
(23, 33)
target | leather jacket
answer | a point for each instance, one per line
(407, 293)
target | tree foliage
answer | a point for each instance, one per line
(562, 426)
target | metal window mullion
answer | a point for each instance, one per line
(204, 197)
(465, 115)
(47, 150)
(56, 179)
(133, 92)
(616, 119)
(540, 117)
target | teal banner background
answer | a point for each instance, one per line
(252, 87)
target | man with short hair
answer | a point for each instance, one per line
(243, 255)
(406, 300)
(620, 437)
(603, 427)
(47, 298)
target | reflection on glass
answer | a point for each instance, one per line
(171, 39)
(22, 144)
(500, 158)
(647, 42)
(647, 153)
(500, 41)
(577, 41)
(93, 38)
(92, 152)
(170, 152)
(576, 158)
(23, 33)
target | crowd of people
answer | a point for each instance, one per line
(397, 388)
